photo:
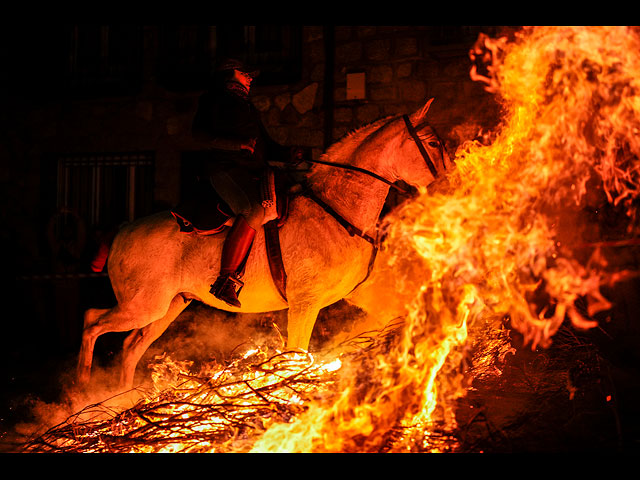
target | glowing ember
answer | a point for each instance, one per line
(502, 242)
(219, 409)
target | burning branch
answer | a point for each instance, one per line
(219, 409)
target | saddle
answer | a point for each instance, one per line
(206, 213)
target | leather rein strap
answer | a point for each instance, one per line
(353, 230)
(361, 170)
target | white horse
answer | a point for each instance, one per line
(156, 270)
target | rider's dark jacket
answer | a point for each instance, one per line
(226, 118)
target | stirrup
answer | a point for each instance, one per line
(227, 288)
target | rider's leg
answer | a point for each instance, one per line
(234, 251)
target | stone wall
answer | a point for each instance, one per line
(403, 70)
(294, 114)
(402, 67)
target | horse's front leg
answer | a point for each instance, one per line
(300, 322)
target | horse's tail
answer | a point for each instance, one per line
(100, 258)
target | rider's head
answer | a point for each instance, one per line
(234, 72)
(242, 78)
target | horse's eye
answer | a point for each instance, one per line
(434, 144)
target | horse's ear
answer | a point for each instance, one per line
(420, 114)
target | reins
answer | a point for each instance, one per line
(361, 170)
(416, 139)
(353, 230)
(349, 227)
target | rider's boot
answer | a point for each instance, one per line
(234, 251)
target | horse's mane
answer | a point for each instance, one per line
(342, 151)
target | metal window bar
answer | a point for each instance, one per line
(86, 183)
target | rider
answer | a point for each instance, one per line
(239, 147)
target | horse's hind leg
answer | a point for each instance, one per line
(85, 357)
(118, 319)
(138, 341)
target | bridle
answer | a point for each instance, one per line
(420, 145)
(345, 224)
(350, 228)
(421, 149)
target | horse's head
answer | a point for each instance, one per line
(420, 156)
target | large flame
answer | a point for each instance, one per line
(504, 241)
(504, 234)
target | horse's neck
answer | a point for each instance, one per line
(356, 196)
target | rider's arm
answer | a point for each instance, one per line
(206, 132)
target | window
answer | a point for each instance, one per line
(45, 61)
(185, 56)
(105, 59)
(274, 49)
(106, 189)
(189, 52)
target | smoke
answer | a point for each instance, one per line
(202, 333)
(37, 415)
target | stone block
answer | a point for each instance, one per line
(427, 69)
(343, 115)
(311, 120)
(377, 50)
(282, 100)
(317, 73)
(144, 110)
(348, 52)
(290, 116)
(404, 70)
(412, 90)
(279, 134)
(380, 74)
(306, 137)
(406, 47)
(365, 30)
(304, 100)
(314, 52)
(343, 33)
(261, 102)
(313, 32)
(271, 116)
(340, 131)
(383, 93)
(367, 114)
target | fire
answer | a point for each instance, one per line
(504, 241)
(505, 233)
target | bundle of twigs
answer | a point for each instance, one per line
(216, 409)
(226, 408)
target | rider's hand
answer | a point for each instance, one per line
(297, 155)
(249, 145)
